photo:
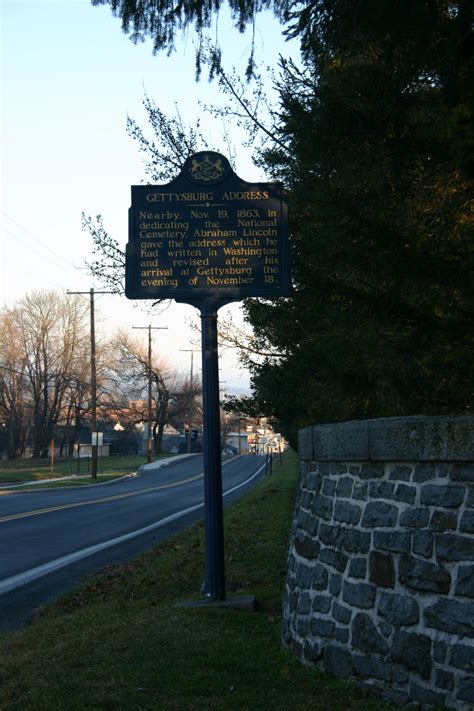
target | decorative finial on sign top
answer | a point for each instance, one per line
(207, 167)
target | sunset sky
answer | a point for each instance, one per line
(69, 79)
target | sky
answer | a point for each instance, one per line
(69, 79)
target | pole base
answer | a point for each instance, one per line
(245, 603)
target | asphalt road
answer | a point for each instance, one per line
(51, 539)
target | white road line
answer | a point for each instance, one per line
(39, 571)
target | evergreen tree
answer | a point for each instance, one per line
(380, 197)
(375, 146)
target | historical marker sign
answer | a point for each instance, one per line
(207, 235)
(208, 238)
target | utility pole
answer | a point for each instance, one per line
(191, 403)
(95, 436)
(149, 328)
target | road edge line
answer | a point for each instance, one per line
(28, 576)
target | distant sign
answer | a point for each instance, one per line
(207, 234)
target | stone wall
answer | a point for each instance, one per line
(380, 583)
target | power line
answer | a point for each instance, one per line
(37, 239)
(24, 271)
(43, 256)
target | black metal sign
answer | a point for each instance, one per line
(208, 238)
(207, 235)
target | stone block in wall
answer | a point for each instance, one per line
(424, 695)
(345, 512)
(341, 613)
(371, 667)
(405, 493)
(381, 490)
(329, 487)
(451, 616)
(344, 487)
(372, 470)
(400, 473)
(435, 439)
(462, 657)
(355, 541)
(321, 627)
(338, 661)
(424, 472)
(359, 492)
(423, 543)
(422, 575)
(307, 547)
(465, 581)
(358, 568)
(466, 690)
(322, 506)
(321, 603)
(440, 650)
(412, 651)
(319, 577)
(451, 547)
(340, 442)
(467, 522)
(415, 517)
(381, 569)
(443, 495)
(329, 534)
(305, 444)
(379, 514)
(336, 559)
(358, 594)
(444, 520)
(463, 472)
(335, 584)
(470, 498)
(395, 541)
(341, 635)
(366, 637)
(399, 610)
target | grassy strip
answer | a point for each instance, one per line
(23, 470)
(119, 642)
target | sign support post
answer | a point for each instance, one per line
(214, 520)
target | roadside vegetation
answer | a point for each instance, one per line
(17, 471)
(119, 641)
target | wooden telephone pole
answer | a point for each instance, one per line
(191, 402)
(94, 433)
(149, 328)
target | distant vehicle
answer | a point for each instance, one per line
(230, 449)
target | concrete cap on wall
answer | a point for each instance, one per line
(419, 438)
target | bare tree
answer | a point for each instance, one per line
(15, 413)
(128, 378)
(51, 340)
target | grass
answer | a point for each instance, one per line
(119, 642)
(17, 471)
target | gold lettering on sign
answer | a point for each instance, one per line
(218, 239)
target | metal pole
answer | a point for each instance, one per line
(214, 519)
